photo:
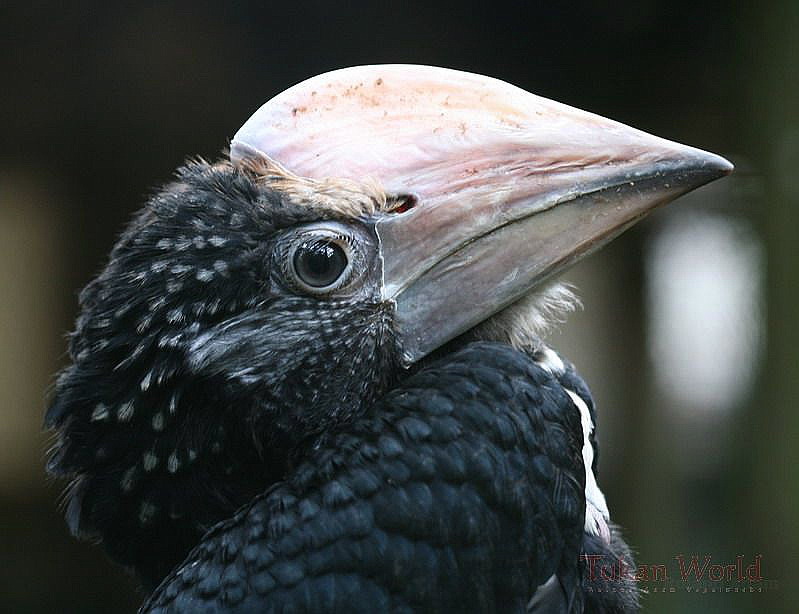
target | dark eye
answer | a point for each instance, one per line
(319, 263)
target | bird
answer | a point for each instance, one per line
(312, 376)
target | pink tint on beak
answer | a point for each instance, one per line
(432, 132)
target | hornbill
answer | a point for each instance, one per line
(311, 376)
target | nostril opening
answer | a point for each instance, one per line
(402, 203)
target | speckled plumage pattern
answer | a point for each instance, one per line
(460, 491)
(196, 372)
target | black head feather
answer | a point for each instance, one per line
(199, 367)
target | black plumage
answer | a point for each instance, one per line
(198, 373)
(459, 491)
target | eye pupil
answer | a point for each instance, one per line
(319, 263)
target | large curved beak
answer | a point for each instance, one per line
(508, 188)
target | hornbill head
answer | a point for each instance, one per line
(366, 218)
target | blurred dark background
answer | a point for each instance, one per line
(688, 336)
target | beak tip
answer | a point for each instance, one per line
(697, 168)
(720, 165)
(713, 166)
